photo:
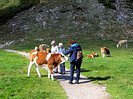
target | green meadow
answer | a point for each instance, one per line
(114, 72)
(14, 83)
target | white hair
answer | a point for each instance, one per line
(60, 44)
(53, 42)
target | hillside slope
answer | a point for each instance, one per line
(67, 19)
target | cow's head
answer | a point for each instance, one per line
(64, 58)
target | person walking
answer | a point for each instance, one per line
(73, 49)
(54, 49)
(62, 65)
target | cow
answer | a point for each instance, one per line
(122, 43)
(51, 60)
(93, 55)
(105, 51)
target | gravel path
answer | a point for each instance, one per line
(84, 90)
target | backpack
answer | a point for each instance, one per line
(79, 55)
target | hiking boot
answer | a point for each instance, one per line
(55, 71)
(76, 82)
(70, 82)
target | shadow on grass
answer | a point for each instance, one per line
(99, 78)
(44, 75)
(84, 70)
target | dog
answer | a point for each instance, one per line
(42, 48)
(122, 43)
(93, 55)
(105, 52)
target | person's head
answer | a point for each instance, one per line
(60, 45)
(71, 42)
(53, 43)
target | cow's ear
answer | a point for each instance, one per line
(62, 55)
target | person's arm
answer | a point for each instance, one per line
(68, 51)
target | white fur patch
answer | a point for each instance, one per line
(35, 59)
(48, 56)
(34, 53)
(64, 58)
(92, 56)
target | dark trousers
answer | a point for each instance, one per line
(62, 67)
(72, 68)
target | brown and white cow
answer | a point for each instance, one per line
(51, 60)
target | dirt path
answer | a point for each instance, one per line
(84, 90)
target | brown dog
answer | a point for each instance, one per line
(93, 55)
(105, 51)
(42, 48)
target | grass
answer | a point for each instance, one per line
(114, 72)
(15, 84)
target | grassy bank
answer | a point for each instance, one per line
(8, 8)
(15, 84)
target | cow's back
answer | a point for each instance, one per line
(38, 57)
(41, 58)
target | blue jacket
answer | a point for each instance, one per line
(62, 50)
(73, 51)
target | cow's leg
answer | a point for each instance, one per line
(49, 73)
(37, 70)
(126, 45)
(29, 67)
